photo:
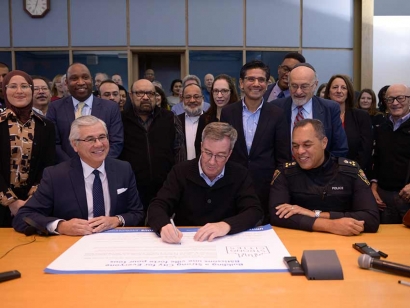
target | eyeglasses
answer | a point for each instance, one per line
(401, 99)
(14, 86)
(253, 79)
(140, 94)
(303, 87)
(93, 140)
(195, 97)
(285, 69)
(218, 157)
(43, 89)
(223, 91)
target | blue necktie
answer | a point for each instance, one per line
(98, 197)
(281, 94)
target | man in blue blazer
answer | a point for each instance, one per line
(81, 102)
(87, 194)
(261, 144)
(302, 85)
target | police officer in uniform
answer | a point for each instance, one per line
(320, 192)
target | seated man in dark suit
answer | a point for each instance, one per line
(320, 192)
(89, 193)
(303, 104)
(208, 192)
(82, 102)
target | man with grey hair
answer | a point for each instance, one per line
(193, 103)
(391, 158)
(208, 191)
(99, 77)
(90, 193)
(319, 192)
(189, 79)
(303, 104)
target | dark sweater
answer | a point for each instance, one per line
(231, 199)
(392, 156)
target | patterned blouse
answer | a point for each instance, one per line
(21, 145)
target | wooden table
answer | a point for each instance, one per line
(360, 288)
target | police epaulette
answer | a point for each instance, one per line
(290, 168)
(348, 166)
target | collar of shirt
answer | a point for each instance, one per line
(87, 103)
(245, 108)
(276, 90)
(193, 119)
(205, 177)
(87, 169)
(306, 108)
(396, 124)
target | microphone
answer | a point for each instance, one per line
(366, 261)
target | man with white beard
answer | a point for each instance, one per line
(193, 103)
(303, 104)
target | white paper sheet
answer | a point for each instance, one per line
(141, 250)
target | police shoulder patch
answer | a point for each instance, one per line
(363, 177)
(275, 176)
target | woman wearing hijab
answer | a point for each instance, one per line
(27, 142)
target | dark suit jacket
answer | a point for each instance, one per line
(268, 91)
(268, 147)
(61, 112)
(358, 128)
(61, 195)
(328, 112)
(42, 156)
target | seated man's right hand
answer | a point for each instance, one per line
(346, 226)
(74, 226)
(168, 235)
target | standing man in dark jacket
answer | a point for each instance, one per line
(391, 169)
(261, 132)
(153, 140)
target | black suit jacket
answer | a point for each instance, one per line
(268, 148)
(358, 128)
(268, 91)
(328, 112)
(61, 112)
(61, 195)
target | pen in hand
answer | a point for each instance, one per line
(173, 225)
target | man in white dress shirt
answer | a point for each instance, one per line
(193, 102)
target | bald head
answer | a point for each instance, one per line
(143, 96)
(302, 84)
(398, 101)
(79, 81)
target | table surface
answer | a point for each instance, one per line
(360, 287)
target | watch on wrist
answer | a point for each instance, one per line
(121, 220)
(317, 213)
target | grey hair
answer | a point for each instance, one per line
(191, 77)
(317, 126)
(88, 120)
(218, 131)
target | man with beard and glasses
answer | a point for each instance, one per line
(82, 102)
(41, 94)
(193, 104)
(153, 140)
(303, 104)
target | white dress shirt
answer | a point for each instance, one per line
(191, 126)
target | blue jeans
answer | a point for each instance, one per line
(395, 208)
